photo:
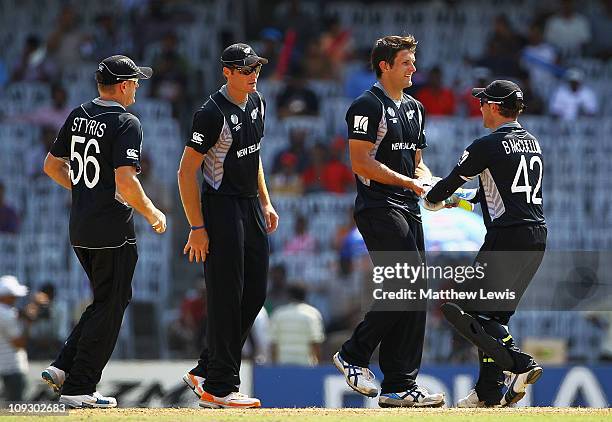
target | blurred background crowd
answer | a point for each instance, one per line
(559, 52)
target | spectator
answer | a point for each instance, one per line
(9, 221)
(34, 64)
(316, 63)
(437, 99)
(297, 331)
(271, 41)
(296, 99)
(277, 287)
(567, 30)
(471, 104)
(297, 147)
(299, 23)
(359, 76)
(67, 42)
(288, 181)
(52, 116)
(503, 49)
(336, 44)
(35, 156)
(539, 59)
(13, 357)
(601, 22)
(187, 333)
(171, 73)
(106, 39)
(302, 241)
(257, 345)
(157, 191)
(327, 172)
(573, 99)
(50, 327)
(533, 103)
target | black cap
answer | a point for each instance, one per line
(115, 69)
(240, 55)
(507, 93)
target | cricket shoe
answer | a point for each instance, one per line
(195, 383)
(471, 401)
(517, 384)
(95, 400)
(413, 397)
(359, 378)
(233, 400)
(54, 377)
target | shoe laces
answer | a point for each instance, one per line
(367, 374)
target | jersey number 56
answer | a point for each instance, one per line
(83, 161)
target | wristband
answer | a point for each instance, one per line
(197, 227)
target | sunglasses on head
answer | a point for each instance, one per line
(247, 70)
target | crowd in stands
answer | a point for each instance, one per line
(304, 45)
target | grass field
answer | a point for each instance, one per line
(331, 415)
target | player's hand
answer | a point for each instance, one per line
(197, 245)
(415, 185)
(271, 218)
(158, 221)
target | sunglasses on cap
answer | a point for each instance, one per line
(483, 101)
(247, 70)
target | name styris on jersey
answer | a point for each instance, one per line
(89, 127)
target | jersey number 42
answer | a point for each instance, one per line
(523, 173)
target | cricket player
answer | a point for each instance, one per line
(97, 156)
(230, 222)
(510, 166)
(386, 139)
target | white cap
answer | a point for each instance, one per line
(574, 74)
(10, 286)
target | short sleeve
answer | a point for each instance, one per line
(9, 324)
(473, 161)
(316, 332)
(262, 111)
(128, 144)
(61, 145)
(362, 119)
(205, 130)
(422, 141)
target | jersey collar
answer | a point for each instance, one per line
(106, 103)
(224, 92)
(513, 124)
(379, 86)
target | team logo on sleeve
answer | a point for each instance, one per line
(464, 157)
(360, 124)
(197, 138)
(132, 154)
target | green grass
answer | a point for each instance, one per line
(330, 415)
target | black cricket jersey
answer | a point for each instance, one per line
(396, 130)
(230, 138)
(97, 138)
(510, 167)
